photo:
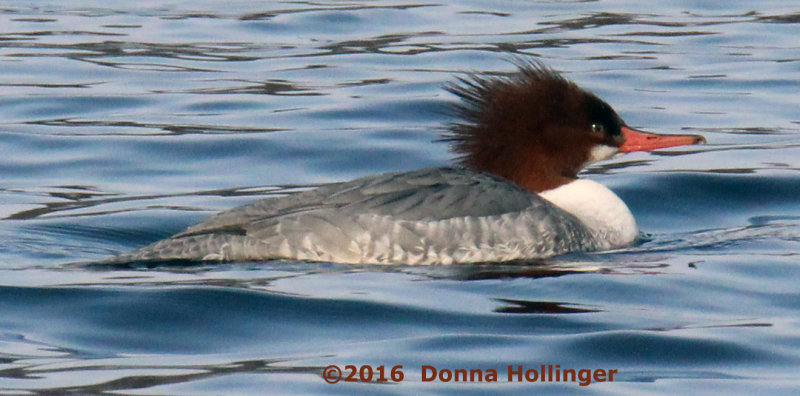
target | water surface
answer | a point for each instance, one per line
(125, 122)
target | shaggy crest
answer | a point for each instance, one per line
(513, 125)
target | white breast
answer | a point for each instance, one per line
(597, 207)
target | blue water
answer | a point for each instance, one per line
(125, 122)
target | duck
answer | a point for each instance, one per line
(513, 193)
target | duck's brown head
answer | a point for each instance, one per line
(538, 129)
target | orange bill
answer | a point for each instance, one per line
(636, 140)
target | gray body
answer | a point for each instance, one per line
(428, 216)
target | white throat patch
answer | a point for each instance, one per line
(601, 152)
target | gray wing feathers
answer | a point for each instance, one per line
(428, 216)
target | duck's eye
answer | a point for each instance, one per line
(599, 129)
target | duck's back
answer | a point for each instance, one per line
(428, 216)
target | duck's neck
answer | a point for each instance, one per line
(598, 208)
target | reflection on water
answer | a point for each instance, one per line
(124, 123)
(146, 376)
(84, 198)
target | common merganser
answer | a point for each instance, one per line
(522, 138)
